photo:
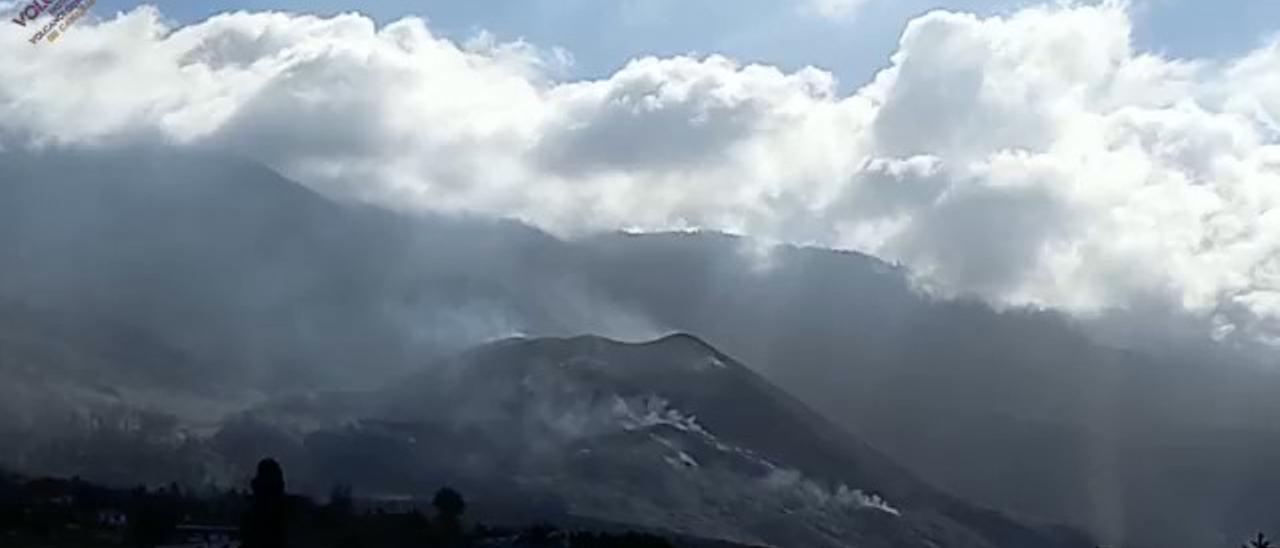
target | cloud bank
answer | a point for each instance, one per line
(1032, 159)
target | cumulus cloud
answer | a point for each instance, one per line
(1035, 158)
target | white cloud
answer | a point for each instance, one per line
(1032, 158)
(835, 9)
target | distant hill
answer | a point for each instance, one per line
(146, 295)
(671, 434)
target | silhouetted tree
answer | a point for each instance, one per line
(339, 516)
(264, 523)
(449, 509)
(341, 503)
(1260, 542)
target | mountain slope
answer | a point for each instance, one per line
(1019, 409)
(670, 434)
(182, 286)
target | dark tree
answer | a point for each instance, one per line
(264, 525)
(1260, 542)
(449, 503)
(341, 503)
(449, 509)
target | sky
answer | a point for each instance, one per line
(851, 38)
(1080, 156)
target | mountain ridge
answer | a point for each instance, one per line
(516, 372)
(240, 286)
